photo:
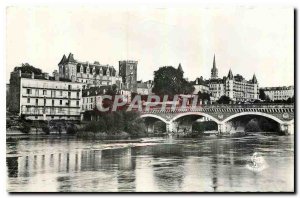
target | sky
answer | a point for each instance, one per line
(248, 40)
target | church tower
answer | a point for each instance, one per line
(128, 72)
(214, 70)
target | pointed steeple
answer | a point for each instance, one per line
(71, 58)
(230, 75)
(214, 62)
(214, 70)
(254, 80)
(180, 68)
(63, 60)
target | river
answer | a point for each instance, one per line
(159, 165)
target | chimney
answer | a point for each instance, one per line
(46, 75)
(32, 75)
(56, 75)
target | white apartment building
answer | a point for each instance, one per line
(235, 87)
(279, 93)
(44, 98)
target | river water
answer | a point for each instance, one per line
(160, 165)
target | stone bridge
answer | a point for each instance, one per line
(283, 114)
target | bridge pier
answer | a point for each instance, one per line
(171, 127)
(222, 128)
(287, 128)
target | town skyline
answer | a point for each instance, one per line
(220, 74)
(164, 48)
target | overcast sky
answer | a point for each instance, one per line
(247, 40)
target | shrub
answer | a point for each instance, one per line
(46, 129)
(25, 127)
(71, 130)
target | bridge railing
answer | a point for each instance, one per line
(217, 106)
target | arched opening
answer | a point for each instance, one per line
(253, 123)
(156, 126)
(194, 124)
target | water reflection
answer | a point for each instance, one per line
(184, 165)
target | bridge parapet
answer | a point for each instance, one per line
(278, 112)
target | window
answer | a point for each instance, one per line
(28, 100)
(36, 101)
(28, 91)
(60, 93)
(60, 102)
(69, 94)
(77, 94)
(69, 86)
(44, 92)
(77, 103)
(52, 102)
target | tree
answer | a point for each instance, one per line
(224, 100)
(26, 68)
(291, 100)
(170, 81)
(263, 96)
(203, 96)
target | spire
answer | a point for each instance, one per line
(214, 63)
(63, 60)
(180, 68)
(214, 70)
(230, 75)
(71, 58)
(254, 80)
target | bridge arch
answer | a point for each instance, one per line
(154, 116)
(195, 113)
(253, 113)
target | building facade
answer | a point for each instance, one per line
(235, 87)
(200, 86)
(92, 96)
(41, 97)
(144, 88)
(90, 74)
(279, 93)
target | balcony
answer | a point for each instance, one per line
(50, 88)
